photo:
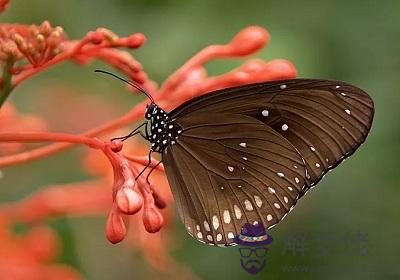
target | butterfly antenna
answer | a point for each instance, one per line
(131, 83)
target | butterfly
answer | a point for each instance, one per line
(247, 154)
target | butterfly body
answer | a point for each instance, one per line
(247, 154)
(163, 131)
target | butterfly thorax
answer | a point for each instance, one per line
(163, 131)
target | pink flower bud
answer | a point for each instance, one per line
(152, 219)
(136, 40)
(95, 37)
(116, 146)
(115, 228)
(249, 40)
(129, 201)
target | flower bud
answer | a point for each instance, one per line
(249, 40)
(128, 201)
(115, 228)
(116, 146)
(136, 40)
(152, 219)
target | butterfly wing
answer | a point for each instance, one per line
(326, 121)
(226, 170)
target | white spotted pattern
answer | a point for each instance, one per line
(285, 199)
(283, 86)
(230, 168)
(243, 144)
(277, 206)
(219, 237)
(317, 164)
(200, 235)
(280, 174)
(265, 113)
(231, 235)
(312, 148)
(269, 217)
(296, 180)
(347, 112)
(209, 237)
(285, 127)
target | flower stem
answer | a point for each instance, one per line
(6, 84)
(51, 137)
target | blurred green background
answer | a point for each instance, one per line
(351, 40)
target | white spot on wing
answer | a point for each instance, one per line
(215, 222)
(227, 217)
(265, 113)
(283, 86)
(348, 112)
(290, 188)
(200, 235)
(277, 206)
(206, 226)
(219, 237)
(280, 174)
(296, 180)
(285, 127)
(269, 217)
(230, 168)
(238, 213)
(271, 190)
(231, 235)
(343, 94)
(317, 164)
(285, 199)
(258, 201)
(312, 148)
(248, 205)
(243, 144)
(209, 237)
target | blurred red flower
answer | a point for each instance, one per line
(40, 47)
(29, 256)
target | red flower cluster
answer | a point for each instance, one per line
(27, 50)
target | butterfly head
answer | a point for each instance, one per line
(151, 110)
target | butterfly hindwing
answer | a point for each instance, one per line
(226, 170)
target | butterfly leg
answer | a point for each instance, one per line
(152, 169)
(147, 165)
(134, 132)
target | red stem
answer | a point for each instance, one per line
(53, 137)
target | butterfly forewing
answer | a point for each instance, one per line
(325, 121)
(226, 170)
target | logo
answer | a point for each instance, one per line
(253, 241)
